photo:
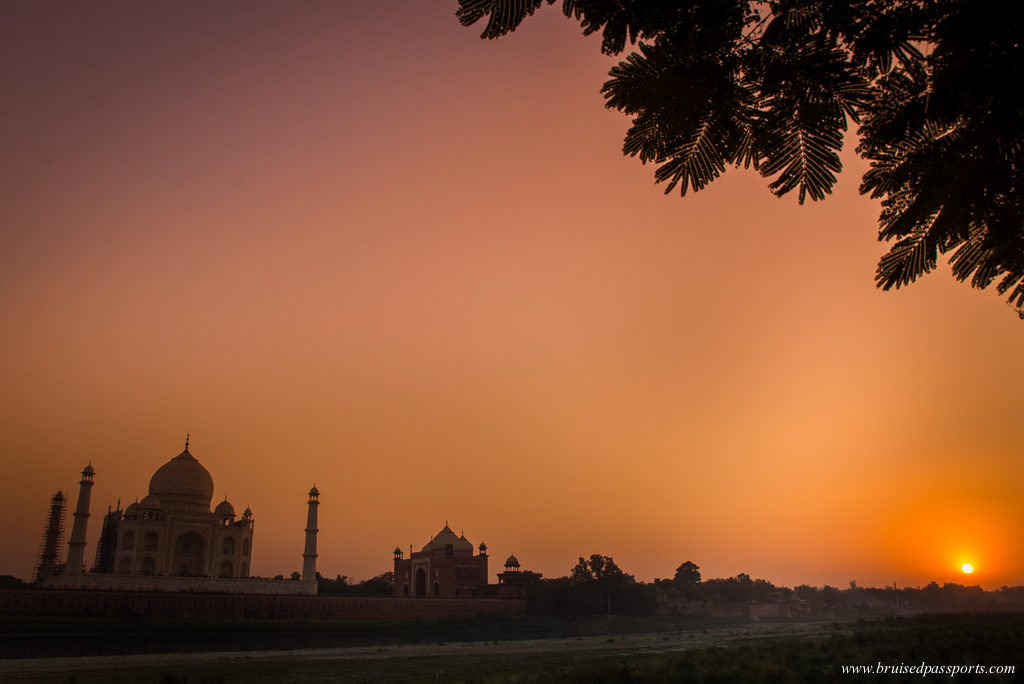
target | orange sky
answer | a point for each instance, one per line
(360, 247)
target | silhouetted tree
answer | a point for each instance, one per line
(605, 588)
(740, 588)
(381, 585)
(558, 597)
(935, 85)
(324, 585)
(593, 576)
(830, 596)
(600, 569)
(687, 581)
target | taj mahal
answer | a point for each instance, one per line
(171, 539)
(172, 531)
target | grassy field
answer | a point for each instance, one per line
(951, 639)
(762, 652)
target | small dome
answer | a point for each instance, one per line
(512, 562)
(88, 470)
(183, 484)
(224, 508)
(483, 547)
(132, 510)
(247, 513)
(398, 550)
(314, 491)
(148, 501)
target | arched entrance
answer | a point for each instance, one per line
(227, 569)
(189, 554)
(421, 582)
(147, 566)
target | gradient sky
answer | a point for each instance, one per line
(353, 244)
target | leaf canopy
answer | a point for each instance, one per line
(935, 86)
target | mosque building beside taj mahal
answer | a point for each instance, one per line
(447, 568)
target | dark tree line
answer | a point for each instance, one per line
(597, 586)
(949, 596)
(687, 585)
(934, 85)
(381, 585)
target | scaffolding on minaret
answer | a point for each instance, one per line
(48, 562)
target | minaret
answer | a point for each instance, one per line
(76, 545)
(309, 555)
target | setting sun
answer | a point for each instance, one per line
(967, 567)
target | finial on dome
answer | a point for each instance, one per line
(187, 435)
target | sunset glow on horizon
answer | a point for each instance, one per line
(358, 246)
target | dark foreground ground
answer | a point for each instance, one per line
(622, 651)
